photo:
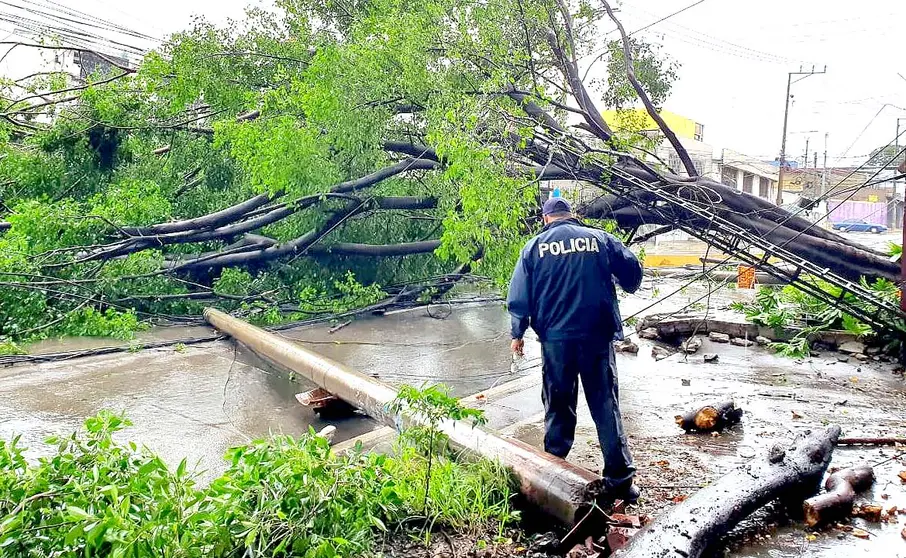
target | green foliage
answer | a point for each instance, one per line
(89, 322)
(8, 347)
(328, 84)
(284, 496)
(427, 408)
(797, 347)
(652, 69)
(790, 308)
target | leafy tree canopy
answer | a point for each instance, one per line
(366, 127)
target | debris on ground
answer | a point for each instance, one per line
(691, 345)
(659, 353)
(741, 342)
(648, 333)
(869, 512)
(626, 346)
(762, 340)
(851, 348)
(710, 357)
(719, 337)
(691, 526)
(710, 417)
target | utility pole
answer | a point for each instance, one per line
(786, 115)
(824, 169)
(805, 159)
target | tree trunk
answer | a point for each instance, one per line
(691, 527)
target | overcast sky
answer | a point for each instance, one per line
(734, 58)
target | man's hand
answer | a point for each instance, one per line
(518, 346)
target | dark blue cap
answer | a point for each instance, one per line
(556, 205)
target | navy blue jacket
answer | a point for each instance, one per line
(563, 284)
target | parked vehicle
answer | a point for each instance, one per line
(858, 225)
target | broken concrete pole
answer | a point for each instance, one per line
(626, 346)
(740, 342)
(688, 529)
(563, 490)
(648, 333)
(691, 345)
(851, 348)
(710, 417)
(719, 337)
(837, 502)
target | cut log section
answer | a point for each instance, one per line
(710, 417)
(837, 502)
(325, 404)
(701, 520)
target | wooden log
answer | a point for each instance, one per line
(688, 529)
(837, 502)
(710, 417)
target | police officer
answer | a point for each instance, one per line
(563, 286)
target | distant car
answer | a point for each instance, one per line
(858, 225)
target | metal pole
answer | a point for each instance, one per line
(896, 142)
(824, 169)
(786, 115)
(565, 491)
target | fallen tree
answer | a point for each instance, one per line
(306, 149)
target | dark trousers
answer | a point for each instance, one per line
(563, 363)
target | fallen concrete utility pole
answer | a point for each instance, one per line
(563, 490)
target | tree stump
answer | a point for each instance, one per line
(710, 417)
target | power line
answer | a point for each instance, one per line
(666, 17)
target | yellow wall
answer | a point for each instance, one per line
(638, 119)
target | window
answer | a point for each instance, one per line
(764, 187)
(699, 132)
(747, 182)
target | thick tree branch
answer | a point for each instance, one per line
(649, 106)
(377, 250)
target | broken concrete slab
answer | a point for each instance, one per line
(659, 353)
(741, 342)
(762, 340)
(851, 348)
(648, 333)
(862, 358)
(719, 337)
(626, 346)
